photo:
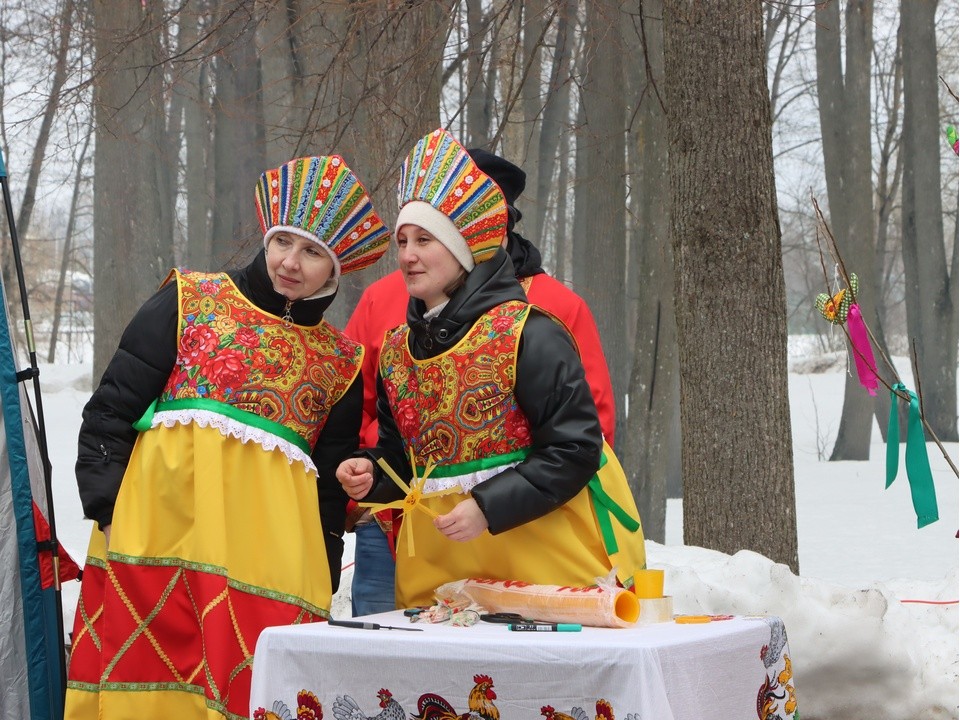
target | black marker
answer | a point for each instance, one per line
(545, 627)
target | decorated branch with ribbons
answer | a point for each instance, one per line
(841, 309)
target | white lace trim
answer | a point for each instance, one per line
(465, 483)
(235, 429)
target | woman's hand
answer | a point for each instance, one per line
(106, 534)
(465, 522)
(356, 477)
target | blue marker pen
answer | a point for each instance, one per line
(545, 627)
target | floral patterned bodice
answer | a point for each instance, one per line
(458, 409)
(236, 359)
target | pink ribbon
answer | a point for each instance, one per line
(862, 352)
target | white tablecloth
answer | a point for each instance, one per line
(723, 670)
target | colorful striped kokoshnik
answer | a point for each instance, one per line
(320, 195)
(439, 171)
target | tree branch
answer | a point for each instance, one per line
(835, 254)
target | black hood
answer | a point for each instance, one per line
(489, 284)
(511, 180)
(254, 283)
(524, 254)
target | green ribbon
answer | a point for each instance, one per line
(484, 463)
(221, 408)
(146, 420)
(603, 507)
(918, 464)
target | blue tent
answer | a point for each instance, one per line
(32, 664)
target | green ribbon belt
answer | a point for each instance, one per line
(234, 413)
(603, 507)
(918, 464)
(484, 463)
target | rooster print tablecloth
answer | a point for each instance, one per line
(731, 667)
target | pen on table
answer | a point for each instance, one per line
(545, 627)
(359, 624)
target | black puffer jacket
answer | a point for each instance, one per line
(137, 374)
(550, 389)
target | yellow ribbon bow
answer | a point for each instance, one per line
(412, 499)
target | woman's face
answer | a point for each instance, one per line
(428, 267)
(297, 267)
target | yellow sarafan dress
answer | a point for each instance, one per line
(458, 410)
(216, 531)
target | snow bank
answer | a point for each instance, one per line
(857, 654)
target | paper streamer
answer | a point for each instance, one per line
(918, 464)
(862, 351)
(596, 606)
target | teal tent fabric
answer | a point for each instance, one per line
(30, 671)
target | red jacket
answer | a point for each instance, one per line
(383, 306)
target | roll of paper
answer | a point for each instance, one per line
(595, 606)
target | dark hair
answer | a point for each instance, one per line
(456, 283)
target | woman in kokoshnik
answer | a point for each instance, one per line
(217, 512)
(491, 391)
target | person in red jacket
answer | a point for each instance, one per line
(382, 307)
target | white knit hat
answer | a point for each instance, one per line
(425, 215)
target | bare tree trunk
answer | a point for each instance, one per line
(404, 62)
(562, 236)
(49, 112)
(556, 110)
(890, 92)
(238, 135)
(651, 453)
(930, 285)
(67, 250)
(600, 199)
(845, 111)
(531, 108)
(199, 171)
(478, 110)
(168, 171)
(737, 448)
(129, 118)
